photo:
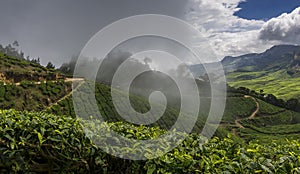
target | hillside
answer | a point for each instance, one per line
(242, 117)
(14, 70)
(241, 113)
(275, 71)
(44, 143)
(26, 85)
(280, 57)
(108, 111)
(53, 140)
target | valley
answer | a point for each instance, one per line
(40, 128)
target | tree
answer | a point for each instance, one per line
(50, 65)
(15, 43)
(292, 104)
(37, 61)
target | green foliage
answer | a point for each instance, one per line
(266, 108)
(238, 107)
(2, 90)
(50, 65)
(108, 111)
(25, 84)
(45, 143)
(30, 96)
(18, 69)
(282, 118)
(278, 83)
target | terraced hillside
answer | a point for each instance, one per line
(14, 70)
(244, 116)
(31, 96)
(268, 123)
(108, 111)
(276, 71)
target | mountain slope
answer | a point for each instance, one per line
(280, 57)
(26, 85)
(14, 70)
(275, 71)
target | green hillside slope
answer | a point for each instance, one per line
(45, 143)
(16, 70)
(275, 71)
(108, 111)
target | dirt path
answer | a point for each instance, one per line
(80, 82)
(257, 107)
(74, 79)
(38, 83)
(238, 124)
(237, 121)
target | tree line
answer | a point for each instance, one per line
(291, 104)
(13, 50)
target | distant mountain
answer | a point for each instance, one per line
(275, 71)
(276, 58)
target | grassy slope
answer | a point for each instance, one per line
(237, 107)
(37, 97)
(271, 123)
(107, 109)
(17, 70)
(278, 83)
(27, 95)
(32, 97)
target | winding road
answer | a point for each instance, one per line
(237, 121)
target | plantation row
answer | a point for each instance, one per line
(17, 70)
(31, 96)
(106, 107)
(40, 143)
(281, 125)
(291, 104)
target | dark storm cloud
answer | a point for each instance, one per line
(57, 29)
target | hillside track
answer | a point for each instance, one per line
(254, 113)
(79, 81)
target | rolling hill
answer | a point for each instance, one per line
(263, 136)
(275, 71)
(26, 85)
(15, 70)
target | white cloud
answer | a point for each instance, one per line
(285, 28)
(218, 16)
(232, 36)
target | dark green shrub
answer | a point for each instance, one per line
(45, 143)
(2, 90)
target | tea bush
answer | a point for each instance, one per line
(46, 143)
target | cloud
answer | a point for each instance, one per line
(218, 16)
(230, 35)
(285, 28)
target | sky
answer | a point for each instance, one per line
(56, 30)
(265, 9)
